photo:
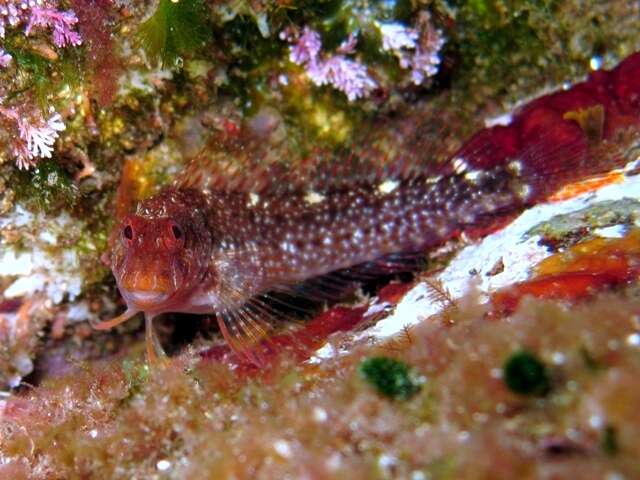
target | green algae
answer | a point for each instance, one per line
(609, 441)
(48, 188)
(390, 377)
(174, 30)
(511, 43)
(525, 374)
(564, 229)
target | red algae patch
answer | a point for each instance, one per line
(580, 271)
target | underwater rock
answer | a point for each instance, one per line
(129, 127)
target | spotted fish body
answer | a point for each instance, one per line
(201, 247)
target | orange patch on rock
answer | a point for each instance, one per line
(588, 185)
(581, 271)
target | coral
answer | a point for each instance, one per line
(35, 134)
(40, 14)
(417, 50)
(5, 58)
(346, 75)
(61, 22)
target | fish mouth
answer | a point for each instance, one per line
(146, 297)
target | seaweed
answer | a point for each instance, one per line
(173, 31)
(391, 378)
(525, 374)
(48, 187)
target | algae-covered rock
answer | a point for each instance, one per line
(103, 103)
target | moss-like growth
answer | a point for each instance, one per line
(489, 31)
(525, 374)
(39, 74)
(136, 375)
(175, 29)
(48, 187)
(201, 419)
(389, 377)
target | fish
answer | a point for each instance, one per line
(219, 239)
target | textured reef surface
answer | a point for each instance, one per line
(509, 349)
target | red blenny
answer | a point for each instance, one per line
(206, 245)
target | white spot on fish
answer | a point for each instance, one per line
(314, 197)
(515, 166)
(254, 198)
(473, 175)
(524, 191)
(388, 186)
(435, 179)
(288, 247)
(459, 165)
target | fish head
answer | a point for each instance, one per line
(161, 252)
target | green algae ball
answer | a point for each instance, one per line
(526, 375)
(392, 378)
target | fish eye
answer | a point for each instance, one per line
(177, 232)
(127, 234)
(174, 236)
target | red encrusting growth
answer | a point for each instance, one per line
(105, 64)
(578, 273)
(563, 126)
(219, 240)
(298, 345)
(302, 343)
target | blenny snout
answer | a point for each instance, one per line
(151, 262)
(160, 257)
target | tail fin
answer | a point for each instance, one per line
(544, 149)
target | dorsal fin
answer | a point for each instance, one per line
(247, 163)
(546, 144)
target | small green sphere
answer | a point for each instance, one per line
(525, 374)
(390, 377)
